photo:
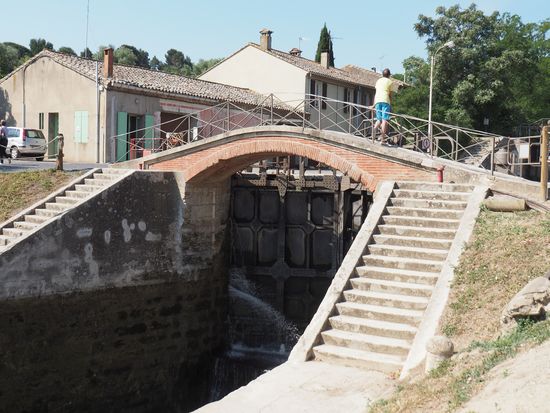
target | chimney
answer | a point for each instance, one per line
(296, 52)
(265, 39)
(324, 59)
(107, 63)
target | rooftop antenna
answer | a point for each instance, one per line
(305, 39)
(87, 20)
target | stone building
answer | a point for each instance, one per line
(293, 78)
(106, 110)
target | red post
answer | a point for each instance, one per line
(440, 170)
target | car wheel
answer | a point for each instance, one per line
(40, 158)
(14, 152)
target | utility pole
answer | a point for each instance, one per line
(544, 164)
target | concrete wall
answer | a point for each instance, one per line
(254, 69)
(117, 305)
(51, 88)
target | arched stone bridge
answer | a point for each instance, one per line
(217, 158)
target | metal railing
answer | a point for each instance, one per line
(317, 112)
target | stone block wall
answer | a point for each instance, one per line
(116, 305)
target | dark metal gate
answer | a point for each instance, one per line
(291, 242)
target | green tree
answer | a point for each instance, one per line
(156, 64)
(177, 63)
(325, 45)
(67, 50)
(491, 72)
(130, 55)
(203, 65)
(37, 45)
(87, 53)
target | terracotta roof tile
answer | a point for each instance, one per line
(157, 81)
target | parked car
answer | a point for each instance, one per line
(26, 142)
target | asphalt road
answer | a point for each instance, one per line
(30, 164)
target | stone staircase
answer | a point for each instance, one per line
(41, 213)
(377, 317)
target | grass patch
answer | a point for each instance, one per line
(506, 251)
(19, 190)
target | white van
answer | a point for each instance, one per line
(26, 142)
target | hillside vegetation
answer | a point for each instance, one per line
(20, 190)
(506, 251)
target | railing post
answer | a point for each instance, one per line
(544, 164)
(228, 117)
(319, 112)
(350, 109)
(372, 131)
(493, 156)
(306, 103)
(271, 109)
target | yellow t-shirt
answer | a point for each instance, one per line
(383, 89)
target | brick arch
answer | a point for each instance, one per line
(219, 161)
(226, 161)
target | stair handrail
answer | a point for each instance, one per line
(303, 349)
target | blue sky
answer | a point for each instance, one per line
(366, 33)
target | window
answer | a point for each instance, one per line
(324, 102)
(41, 121)
(81, 126)
(312, 93)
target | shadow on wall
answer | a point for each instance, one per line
(5, 108)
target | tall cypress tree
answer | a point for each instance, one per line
(325, 45)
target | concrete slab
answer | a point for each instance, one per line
(307, 387)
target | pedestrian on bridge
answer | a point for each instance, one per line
(382, 103)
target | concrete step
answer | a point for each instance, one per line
(420, 222)
(46, 212)
(5, 240)
(105, 176)
(381, 313)
(66, 200)
(52, 206)
(373, 327)
(385, 363)
(366, 342)
(408, 231)
(403, 263)
(416, 242)
(427, 203)
(88, 188)
(13, 232)
(37, 219)
(78, 195)
(434, 195)
(408, 252)
(385, 299)
(426, 212)
(435, 186)
(392, 287)
(28, 226)
(97, 182)
(394, 274)
(114, 171)
(100, 179)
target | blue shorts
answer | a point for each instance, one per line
(383, 110)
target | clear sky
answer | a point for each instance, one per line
(366, 33)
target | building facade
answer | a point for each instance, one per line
(294, 79)
(108, 112)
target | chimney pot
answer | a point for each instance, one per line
(108, 63)
(295, 52)
(324, 59)
(265, 39)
